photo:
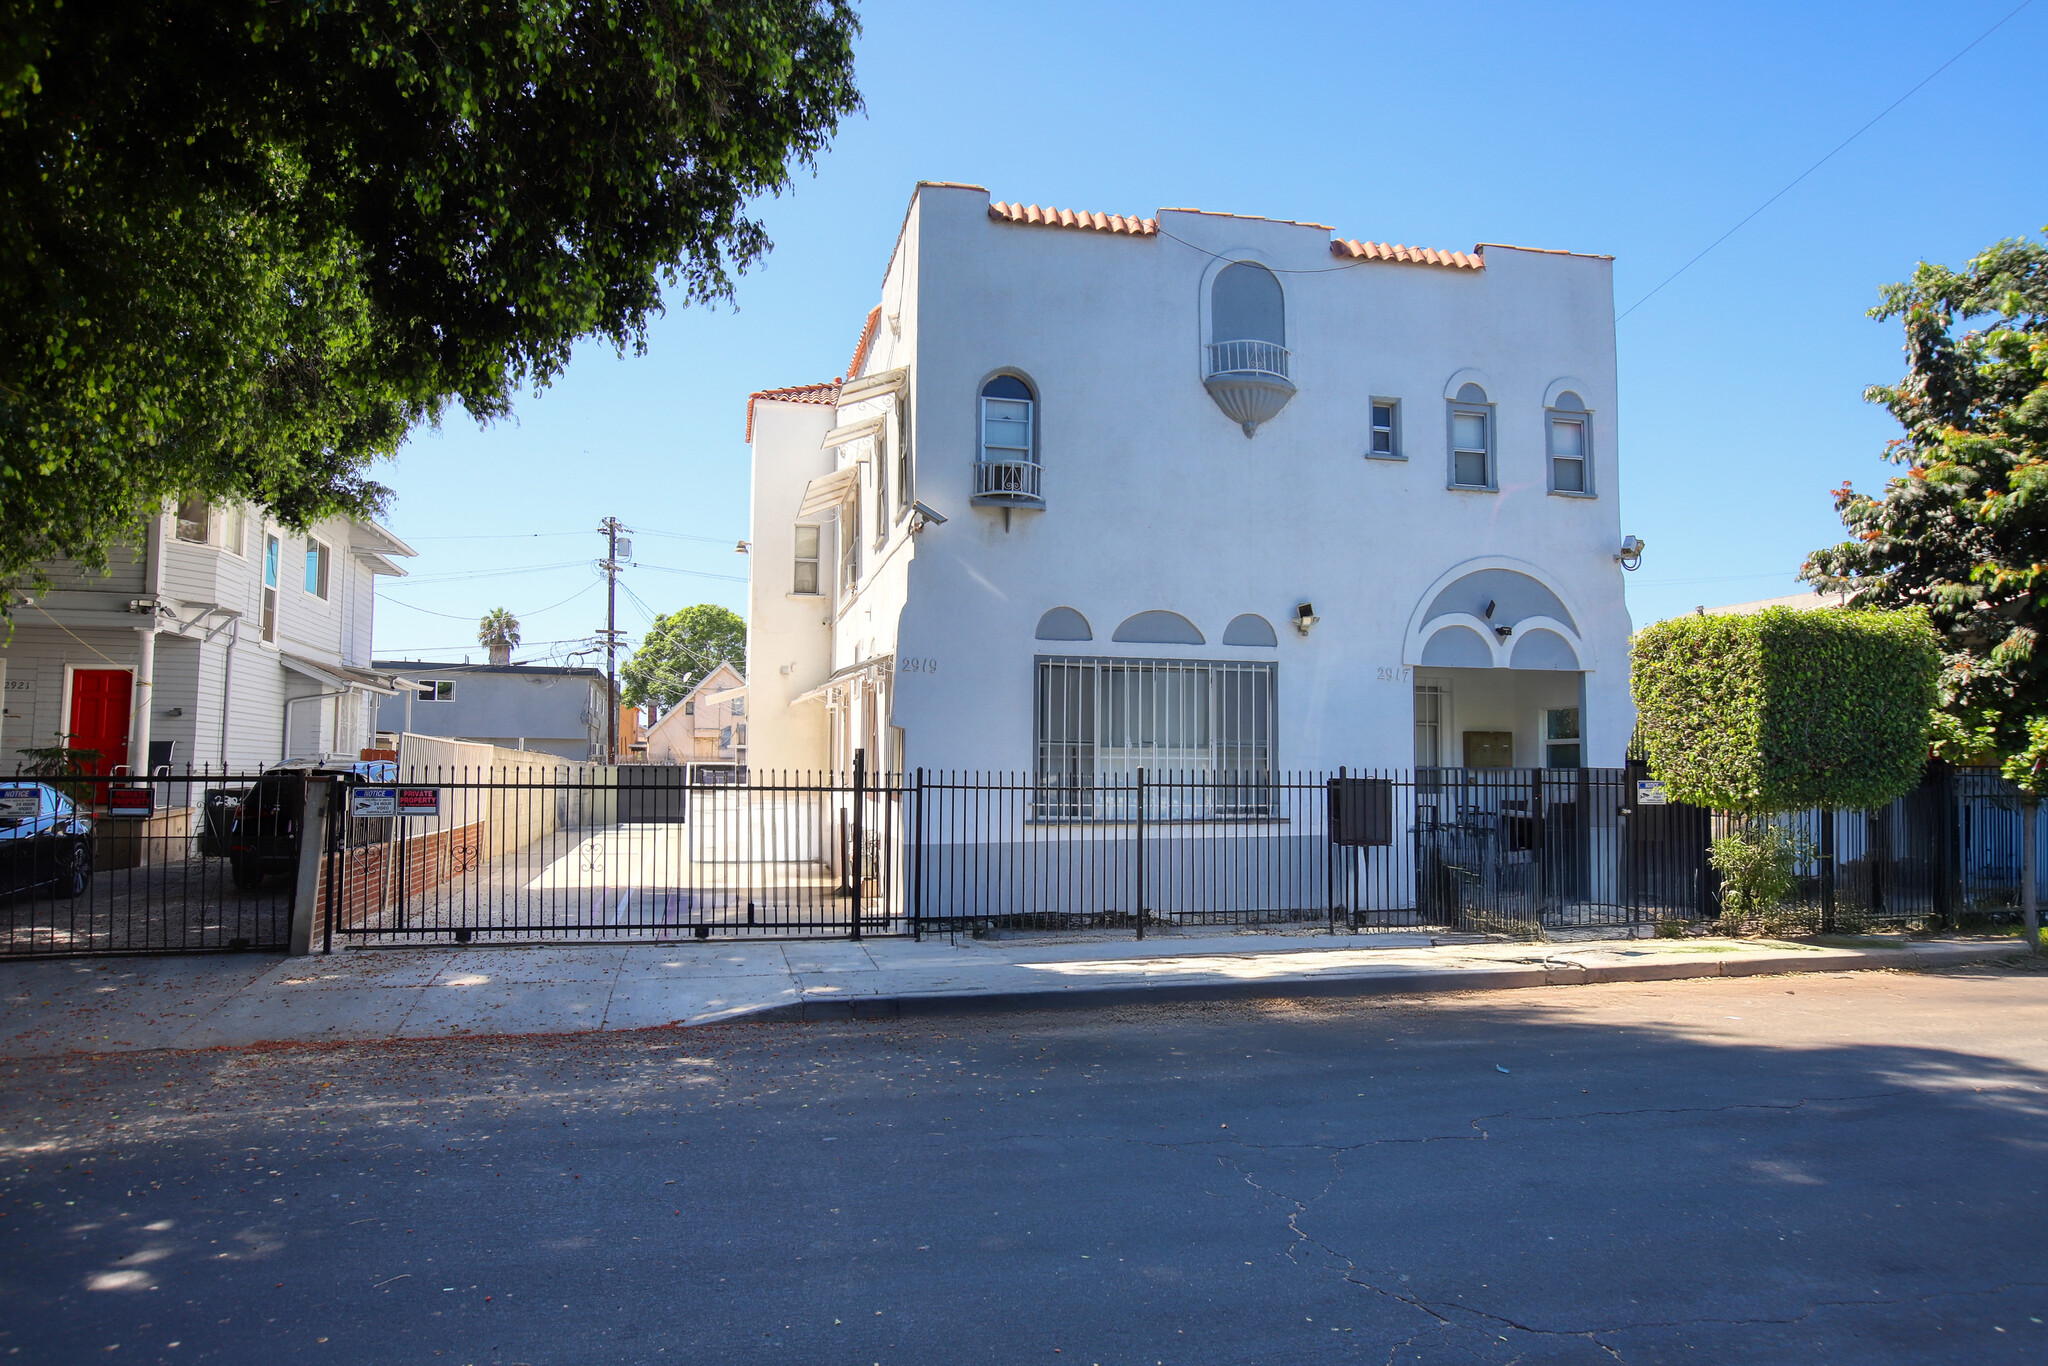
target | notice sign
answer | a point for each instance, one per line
(1650, 792)
(419, 801)
(373, 801)
(20, 803)
(130, 801)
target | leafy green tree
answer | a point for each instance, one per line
(1964, 531)
(249, 245)
(499, 632)
(679, 650)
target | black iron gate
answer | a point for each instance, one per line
(193, 863)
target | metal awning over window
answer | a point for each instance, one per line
(828, 491)
(852, 432)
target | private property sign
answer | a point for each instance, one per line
(394, 801)
(131, 801)
(419, 801)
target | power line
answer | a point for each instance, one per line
(694, 573)
(493, 573)
(1824, 160)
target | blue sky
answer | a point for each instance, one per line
(1640, 131)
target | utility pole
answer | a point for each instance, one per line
(611, 527)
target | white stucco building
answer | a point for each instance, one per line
(1156, 445)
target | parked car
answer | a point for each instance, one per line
(45, 840)
(255, 828)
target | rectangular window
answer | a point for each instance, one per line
(192, 520)
(271, 552)
(316, 569)
(849, 545)
(806, 577)
(1431, 702)
(1006, 428)
(1471, 448)
(902, 455)
(1561, 738)
(1568, 455)
(881, 498)
(1204, 730)
(1386, 444)
(437, 690)
(739, 706)
(235, 529)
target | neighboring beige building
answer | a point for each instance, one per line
(1798, 602)
(707, 727)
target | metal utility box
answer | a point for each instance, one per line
(1361, 811)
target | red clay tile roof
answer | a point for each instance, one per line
(867, 340)
(828, 392)
(1149, 227)
(1421, 256)
(1067, 218)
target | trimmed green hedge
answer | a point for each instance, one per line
(1787, 709)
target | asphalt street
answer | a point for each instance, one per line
(1772, 1169)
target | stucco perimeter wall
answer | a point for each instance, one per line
(1154, 499)
(513, 797)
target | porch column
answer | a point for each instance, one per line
(143, 704)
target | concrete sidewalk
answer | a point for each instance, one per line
(125, 1004)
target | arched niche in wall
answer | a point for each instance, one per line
(1513, 596)
(1541, 649)
(1457, 647)
(1064, 623)
(1250, 629)
(1158, 628)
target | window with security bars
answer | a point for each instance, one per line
(1203, 731)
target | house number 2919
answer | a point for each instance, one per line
(917, 666)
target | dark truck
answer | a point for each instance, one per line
(256, 828)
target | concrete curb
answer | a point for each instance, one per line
(1390, 982)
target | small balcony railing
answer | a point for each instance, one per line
(1014, 481)
(1248, 358)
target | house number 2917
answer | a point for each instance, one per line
(918, 666)
(1395, 673)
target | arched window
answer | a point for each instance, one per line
(1472, 439)
(1245, 304)
(1007, 469)
(1246, 368)
(1571, 444)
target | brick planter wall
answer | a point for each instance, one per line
(369, 884)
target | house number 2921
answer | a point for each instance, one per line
(918, 666)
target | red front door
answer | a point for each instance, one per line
(99, 714)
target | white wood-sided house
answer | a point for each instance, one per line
(218, 639)
(1196, 491)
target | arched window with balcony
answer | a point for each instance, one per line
(1006, 469)
(1246, 360)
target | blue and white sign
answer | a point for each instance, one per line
(1650, 792)
(373, 801)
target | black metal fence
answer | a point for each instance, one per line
(208, 861)
(200, 862)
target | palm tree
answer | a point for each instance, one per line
(499, 629)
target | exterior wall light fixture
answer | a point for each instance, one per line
(1305, 617)
(1631, 552)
